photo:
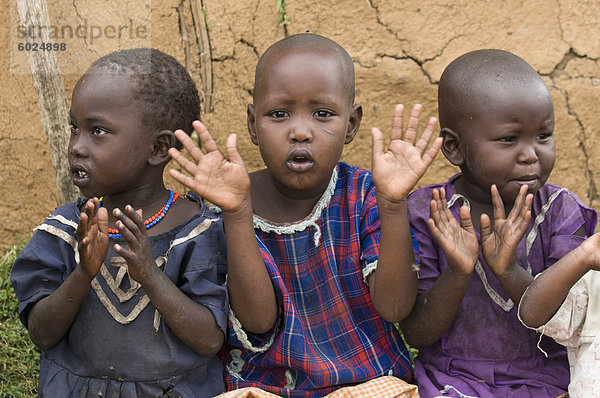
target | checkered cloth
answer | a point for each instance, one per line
(328, 333)
(382, 387)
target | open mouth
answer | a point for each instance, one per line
(300, 160)
(80, 176)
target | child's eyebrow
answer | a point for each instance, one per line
(97, 119)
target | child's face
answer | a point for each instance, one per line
(509, 142)
(108, 147)
(302, 117)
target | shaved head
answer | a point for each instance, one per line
(474, 82)
(306, 42)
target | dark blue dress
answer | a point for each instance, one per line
(118, 345)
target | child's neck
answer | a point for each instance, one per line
(145, 198)
(279, 205)
(151, 199)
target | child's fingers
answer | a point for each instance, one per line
(437, 210)
(433, 151)
(424, 139)
(231, 149)
(126, 254)
(525, 215)
(465, 219)
(497, 203)
(413, 123)
(102, 216)
(85, 219)
(378, 141)
(397, 122)
(443, 198)
(189, 145)
(130, 224)
(181, 160)
(184, 179)
(515, 212)
(433, 211)
(434, 230)
(208, 143)
(485, 226)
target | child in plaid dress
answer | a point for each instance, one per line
(318, 269)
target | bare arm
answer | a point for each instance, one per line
(499, 242)
(547, 292)
(50, 318)
(435, 310)
(225, 183)
(393, 286)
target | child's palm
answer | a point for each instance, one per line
(218, 180)
(459, 242)
(92, 235)
(397, 170)
(138, 254)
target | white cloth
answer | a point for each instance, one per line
(576, 325)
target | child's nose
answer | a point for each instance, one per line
(528, 154)
(301, 132)
(77, 146)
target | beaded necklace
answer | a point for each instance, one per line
(151, 221)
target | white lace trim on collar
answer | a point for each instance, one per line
(311, 220)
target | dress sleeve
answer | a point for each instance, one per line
(566, 216)
(204, 267)
(370, 234)
(428, 258)
(44, 264)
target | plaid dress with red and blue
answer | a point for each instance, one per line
(328, 334)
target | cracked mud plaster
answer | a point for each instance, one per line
(399, 49)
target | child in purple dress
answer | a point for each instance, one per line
(138, 309)
(307, 298)
(497, 122)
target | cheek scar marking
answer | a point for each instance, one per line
(327, 131)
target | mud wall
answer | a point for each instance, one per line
(399, 49)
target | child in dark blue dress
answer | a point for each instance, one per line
(125, 292)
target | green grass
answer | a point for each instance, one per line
(19, 358)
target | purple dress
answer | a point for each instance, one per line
(118, 345)
(486, 351)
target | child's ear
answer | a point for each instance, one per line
(451, 146)
(353, 123)
(251, 124)
(163, 140)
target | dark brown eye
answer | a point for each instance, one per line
(279, 114)
(323, 113)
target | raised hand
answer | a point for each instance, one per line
(139, 257)
(397, 170)
(499, 240)
(222, 181)
(459, 242)
(92, 234)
